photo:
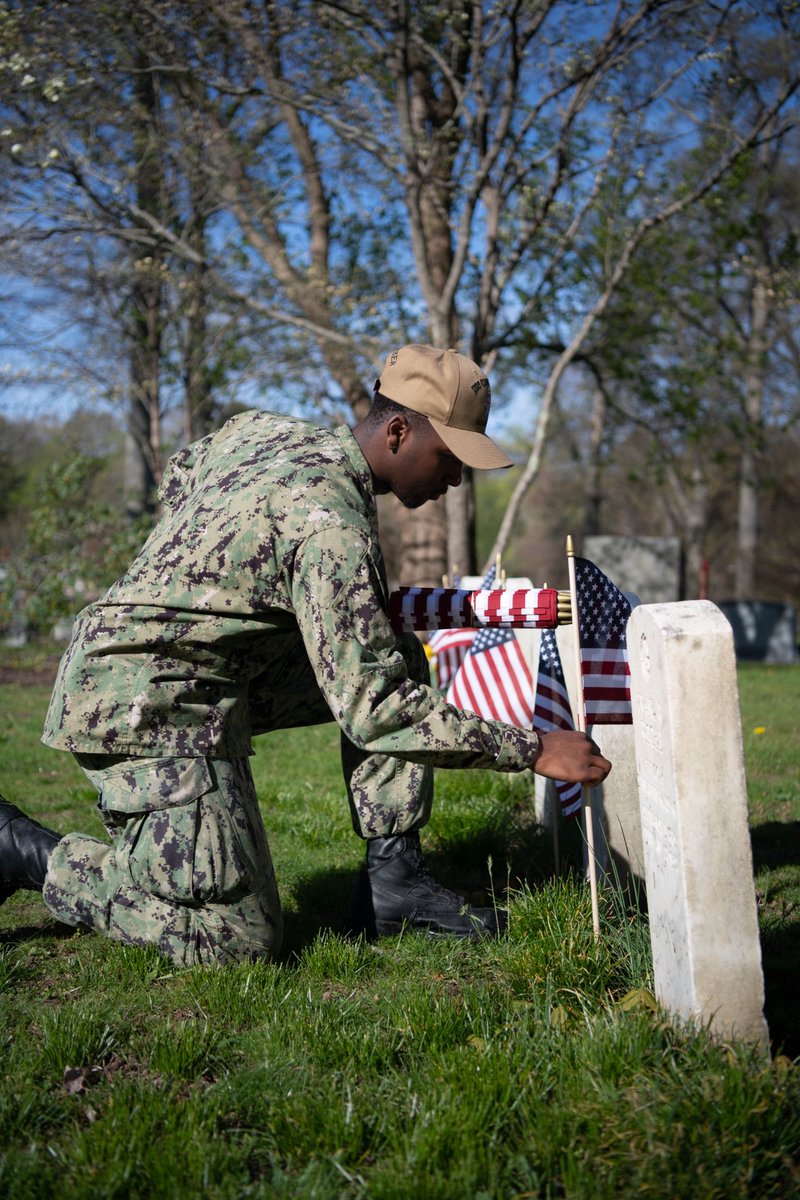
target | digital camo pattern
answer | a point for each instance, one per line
(387, 795)
(189, 870)
(267, 554)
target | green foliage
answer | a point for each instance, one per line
(76, 545)
(11, 473)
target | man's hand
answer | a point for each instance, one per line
(572, 757)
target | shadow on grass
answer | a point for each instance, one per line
(780, 956)
(322, 902)
(501, 856)
(776, 847)
(482, 865)
(33, 933)
(775, 844)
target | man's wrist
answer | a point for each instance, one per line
(520, 749)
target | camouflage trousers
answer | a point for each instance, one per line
(189, 868)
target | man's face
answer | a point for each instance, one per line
(425, 468)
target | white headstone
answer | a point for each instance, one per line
(617, 815)
(615, 804)
(693, 798)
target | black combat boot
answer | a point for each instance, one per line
(25, 848)
(395, 890)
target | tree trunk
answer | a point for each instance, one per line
(419, 535)
(440, 534)
(143, 439)
(594, 470)
(197, 397)
(461, 526)
(695, 526)
(747, 541)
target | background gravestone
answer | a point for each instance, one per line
(649, 566)
(17, 632)
(693, 798)
(763, 632)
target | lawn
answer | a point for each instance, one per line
(535, 1066)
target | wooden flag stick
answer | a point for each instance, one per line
(555, 807)
(580, 719)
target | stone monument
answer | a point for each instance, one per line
(696, 841)
(763, 632)
(652, 567)
(615, 804)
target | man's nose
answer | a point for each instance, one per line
(454, 474)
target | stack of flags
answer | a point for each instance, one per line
(450, 646)
(485, 671)
(420, 608)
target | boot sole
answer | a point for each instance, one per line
(473, 933)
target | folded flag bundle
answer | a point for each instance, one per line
(417, 608)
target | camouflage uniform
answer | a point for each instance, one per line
(257, 603)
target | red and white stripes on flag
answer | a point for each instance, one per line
(553, 711)
(494, 680)
(603, 614)
(450, 647)
(420, 608)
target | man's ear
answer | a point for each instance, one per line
(397, 431)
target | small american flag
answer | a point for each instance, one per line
(553, 711)
(450, 647)
(603, 615)
(494, 680)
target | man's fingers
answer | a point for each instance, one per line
(572, 757)
(600, 768)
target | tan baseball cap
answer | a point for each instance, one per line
(452, 392)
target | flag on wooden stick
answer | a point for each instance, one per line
(553, 711)
(494, 680)
(603, 614)
(450, 647)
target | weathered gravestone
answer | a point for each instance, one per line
(615, 804)
(17, 633)
(652, 567)
(696, 842)
(763, 632)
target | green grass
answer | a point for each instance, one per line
(770, 701)
(535, 1066)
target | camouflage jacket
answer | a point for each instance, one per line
(269, 527)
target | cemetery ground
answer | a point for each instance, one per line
(535, 1066)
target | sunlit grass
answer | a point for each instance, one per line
(538, 1065)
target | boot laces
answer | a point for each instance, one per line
(425, 877)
